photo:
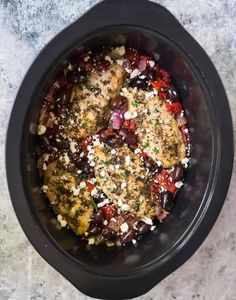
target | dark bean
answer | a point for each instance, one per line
(143, 228)
(166, 200)
(129, 137)
(150, 74)
(75, 77)
(118, 102)
(151, 166)
(60, 144)
(107, 233)
(62, 97)
(115, 141)
(127, 237)
(98, 217)
(94, 230)
(171, 94)
(139, 83)
(46, 144)
(178, 173)
(129, 220)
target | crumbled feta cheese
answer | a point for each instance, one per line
(82, 185)
(105, 222)
(79, 171)
(81, 154)
(185, 162)
(113, 220)
(102, 173)
(125, 207)
(63, 177)
(117, 166)
(119, 202)
(72, 147)
(124, 90)
(142, 77)
(45, 157)
(120, 62)
(113, 151)
(86, 58)
(124, 227)
(127, 160)
(145, 110)
(128, 115)
(135, 73)
(62, 222)
(148, 221)
(179, 184)
(92, 163)
(41, 129)
(75, 191)
(159, 163)
(153, 227)
(118, 51)
(134, 241)
(94, 192)
(151, 63)
(44, 167)
(44, 188)
(137, 151)
(108, 58)
(91, 241)
(104, 202)
(128, 70)
(123, 185)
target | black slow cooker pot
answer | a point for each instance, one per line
(115, 273)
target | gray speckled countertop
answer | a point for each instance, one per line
(25, 27)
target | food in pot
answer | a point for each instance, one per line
(114, 146)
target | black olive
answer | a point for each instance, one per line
(107, 233)
(150, 74)
(143, 228)
(139, 83)
(83, 165)
(46, 144)
(129, 137)
(94, 230)
(118, 102)
(62, 97)
(152, 166)
(166, 200)
(76, 77)
(127, 237)
(115, 141)
(178, 173)
(98, 217)
(171, 94)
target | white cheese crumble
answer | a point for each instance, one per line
(153, 227)
(119, 202)
(113, 151)
(104, 202)
(159, 163)
(63, 177)
(108, 58)
(185, 162)
(179, 184)
(81, 154)
(135, 73)
(44, 167)
(44, 188)
(117, 166)
(91, 241)
(127, 160)
(134, 241)
(124, 227)
(105, 222)
(148, 221)
(120, 62)
(75, 191)
(45, 157)
(128, 115)
(82, 185)
(79, 171)
(125, 207)
(94, 192)
(151, 63)
(72, 147)
(137, 151)
(123, 185)
(102, 173)
(92, 163)
(41, 129)
(62, 222)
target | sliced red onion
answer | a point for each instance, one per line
(142, 65)
(117, 118)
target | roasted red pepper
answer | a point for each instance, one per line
(163, 180)
(174, 108)
(130, 125)
(109, 211)
(85, 142)
(90, 186)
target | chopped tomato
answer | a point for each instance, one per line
(130, 125)
(85, 142)
(158, 85)
(90, 186)
(109, 211)
(174, 108)
(143, 156)
(163, 180)
(132, 56)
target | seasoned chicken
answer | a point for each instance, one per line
(90, 113)
(157, 130)
(124, 180)
(74, 204)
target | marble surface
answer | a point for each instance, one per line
(25, 27)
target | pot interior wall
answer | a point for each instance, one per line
(155, 245)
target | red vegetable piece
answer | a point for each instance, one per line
(185, 135)
(85, 142)
(143, 156)
(90, 186)
(181, 121)
(163, 180)
(132, 56)
(174, 108)
(130, 125)
(109, 211)
(105, 134)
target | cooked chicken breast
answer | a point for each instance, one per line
(90, 113)
(157, 130)
(72, 203)
(124, 180)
